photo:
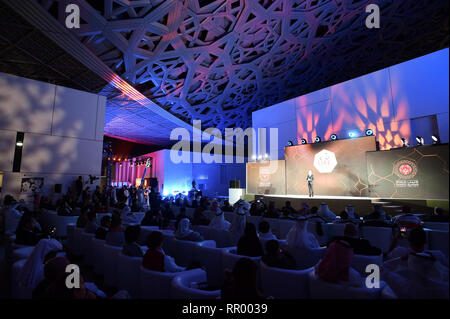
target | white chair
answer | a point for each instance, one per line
(211, 259)
(128, 274)
(230, 258)
(285, 284)
(320, 289)
(156, 284)
(380, 237)
(221, 237)
(185, 250)
(97, 255)
(181, 286)
(110, 258)
(306, 258)
(438, 240)
(360, 262)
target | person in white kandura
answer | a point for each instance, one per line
(299, 237)
(326, 213)
(237, 227)
(218, 222)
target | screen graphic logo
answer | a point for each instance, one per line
(325, 161)
(405, 169)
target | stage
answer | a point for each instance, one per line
(363, 205)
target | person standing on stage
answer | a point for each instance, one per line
(310, 180)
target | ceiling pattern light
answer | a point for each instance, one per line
(220, 60)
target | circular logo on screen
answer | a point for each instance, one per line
(325, 161)
(405, 169)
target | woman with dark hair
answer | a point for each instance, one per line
(249, 244)
(241, 283)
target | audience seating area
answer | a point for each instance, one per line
(216, 255)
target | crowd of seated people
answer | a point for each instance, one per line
(335, 266)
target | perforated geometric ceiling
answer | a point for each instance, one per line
(218, 61)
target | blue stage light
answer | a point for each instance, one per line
(303, 141)
(352, 134)
(333, 137)
(318, 139)
(369, 132)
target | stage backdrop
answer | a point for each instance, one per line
(419, 172)
(339, 167)
(266, 177)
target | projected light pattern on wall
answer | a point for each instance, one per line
(220, 60)
(392, 102)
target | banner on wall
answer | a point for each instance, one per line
(418, 172)
(32, 185)
(339, 167)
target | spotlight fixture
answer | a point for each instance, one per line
(303, 141)
(290, 143)
(260, 157)
(266, 156)
(369, 132)
(254, 157)
(419, 140)
(353, 134)
(405, 142)
(436, 139)
(318, 139)
(333, 137)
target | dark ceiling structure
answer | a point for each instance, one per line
(219, 60)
